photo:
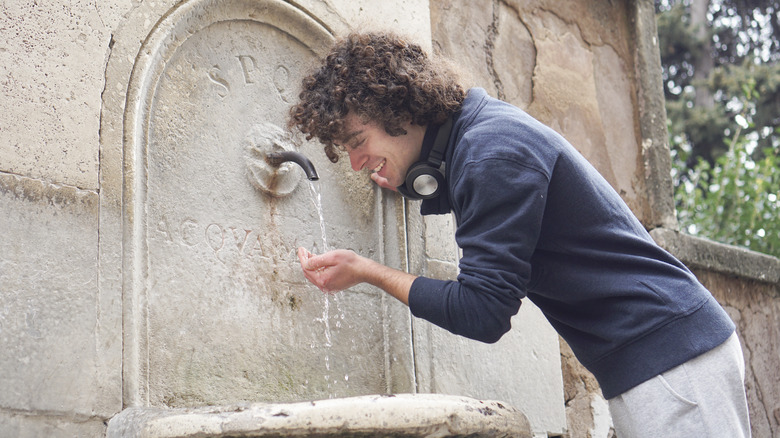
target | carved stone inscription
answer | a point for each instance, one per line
(230, 315)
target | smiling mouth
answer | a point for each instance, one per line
(379, 167)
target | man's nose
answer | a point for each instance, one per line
(356, 160)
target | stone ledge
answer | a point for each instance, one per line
(403, 415)
(70, 198)
(697, 252)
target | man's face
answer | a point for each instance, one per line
(370, 147)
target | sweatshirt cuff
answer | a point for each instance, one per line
(425, 300)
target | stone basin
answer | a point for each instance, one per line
(402, 415)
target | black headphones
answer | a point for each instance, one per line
(425, 178)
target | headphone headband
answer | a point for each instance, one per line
(425, 178)
(436, 157)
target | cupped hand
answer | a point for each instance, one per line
(334, 270)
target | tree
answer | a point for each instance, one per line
(736, 200)
(722, 87)
(708, 50)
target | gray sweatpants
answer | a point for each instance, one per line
(704, 397)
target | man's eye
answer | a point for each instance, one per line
(356, 144)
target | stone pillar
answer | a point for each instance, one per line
(60, 336)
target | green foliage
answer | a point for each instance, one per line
(702, 127)
(764, 79)
(736, 200)
(722, 89)
(704, 72)
(679, 44)
(707, 128)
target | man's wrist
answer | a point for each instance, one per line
(394, 282)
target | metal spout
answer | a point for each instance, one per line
(277, 158)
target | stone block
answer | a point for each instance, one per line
(58, 335)
(52, 60)
(408, 18)
(698, 252)
(30, 425)
(439, 239)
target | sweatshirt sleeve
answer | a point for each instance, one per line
(499, 203)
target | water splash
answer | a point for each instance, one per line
(326, 320)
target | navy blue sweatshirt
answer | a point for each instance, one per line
(535, 219)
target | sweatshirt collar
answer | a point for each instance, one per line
(441, 204)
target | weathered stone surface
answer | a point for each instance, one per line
(60, 334)
(650, 105)
(408, 18)
(222, 270)
(20, 424)
(568, 65)
(207, 282)
(582, 91)
(59, 354)
(51, 76)
(462, 37)
(402, 415)
(490, 47)
(587, 412)
(705, 254)
(511, 56)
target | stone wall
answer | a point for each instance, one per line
(150, 251)
(61, 367)
(144, 262)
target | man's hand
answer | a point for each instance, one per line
(340, 269)
(382, 182)
(333, 271)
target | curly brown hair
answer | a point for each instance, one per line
(381, 78)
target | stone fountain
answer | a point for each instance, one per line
(222, 335)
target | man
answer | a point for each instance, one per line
(534, 220)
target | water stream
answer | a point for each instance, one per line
(325, 319)
(317, 199)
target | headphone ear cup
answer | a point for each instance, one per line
(424, 181)
(406, 193)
